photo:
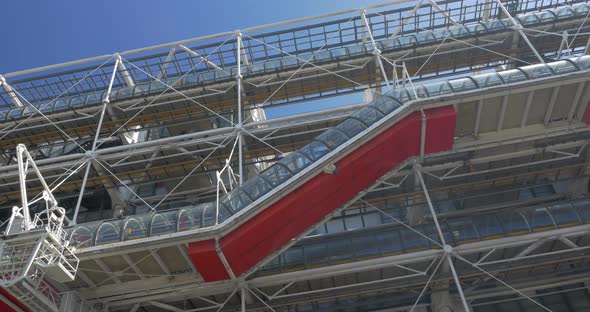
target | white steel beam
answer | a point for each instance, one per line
(15, 100)
(549, 112)
(160, 262)
(133, 266)
(107, 271)
(166, 62)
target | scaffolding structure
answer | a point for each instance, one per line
(169, 189)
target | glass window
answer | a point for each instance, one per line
(236, 200)
(289, 61)
(196, 213)
(163, 222)
(425, 36)
(441, 33)
(475, 28)
(92, 98)
(293, 257)
(438, 88)
(368, 115)
(59, 104)
(564, 11)
(133, 229)
(315, 150)
(296, 162)
(583, 62)
(563, 67)
(412, 240)
(77, 101)
(564, 214)
(351, 127)
(107, 233)
(514, 222)
(82, 236)
(581, 9)
(541, 219)
(276, 174)
(459, 31)
(157, 87)
(356, 50)
(537, 71)
(256, 187)
(386, 103)
(272, 65)
(488, 80)
(185, 221)
(322, 56)
(583, 208)
(463, 230)
(208, 218)
(332, 138)
(190, 79)
(463, 84)
(487, 225)
(389, 241)
(512, 75)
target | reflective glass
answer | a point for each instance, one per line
(163, 222)
(332, 138)
(537, 71)
(82, 236)
(541, 219)
(256, 187)
(386, 104)
(368, 115)
(107, 233)
(315, 150)
(462, 84)
(185, 221)
(236, 200)
(296, 162)
(512, 75)
(438, 88)
(488, 80)
(276, 174)
(351, 127)
(133, 229)
(564, 214)
(563, 67)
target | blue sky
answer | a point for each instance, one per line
(37, 33)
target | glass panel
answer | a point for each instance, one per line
(256, 187)
(185, 221)
(488, 80)
(322, 56)
(581, 9)
(564, 12)
(315, 150)
(463, 230)
(541, 219)
(163, 222)
(295, 162)
(563, 67)
(583, 62)
(107, 233)
(537, 71)
(351, 127)
(487, 226)
(77, 101)
(438, 88)
(93, 98)
(412, 240)
(289, 61)
(208, 214)
(583, 208)
(368, 115)
(425, 36)
(133, 229)
(356, 50)
(272, 65)
(82, 237)
(513, 75)
(514, 222)
(332, 138)
(564, 214)
(389, 241)
(276, 174)
(463, 84)
(386, 103)
(190, 79)
(235, 201)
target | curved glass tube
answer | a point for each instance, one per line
(204, 215)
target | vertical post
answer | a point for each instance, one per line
(376, 52)
(22, 175)
(243, 298)
(447, 249)
(239, 126)
(90, 154)
(486, 11)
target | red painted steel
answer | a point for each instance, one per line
(291, 215)
(6, 307)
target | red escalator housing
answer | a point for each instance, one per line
(268, 231)
(5, 307)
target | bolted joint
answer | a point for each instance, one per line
(2, 80)
(448, 249)
(330, 169)
(105, 101)
(376, 52)
(90, 154)
(117, 56)
(239, 77)
(517, 27)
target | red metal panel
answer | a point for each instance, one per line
(440, 129)
(586, 117)
(205, 257)
(291, 215)
(6, 307)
